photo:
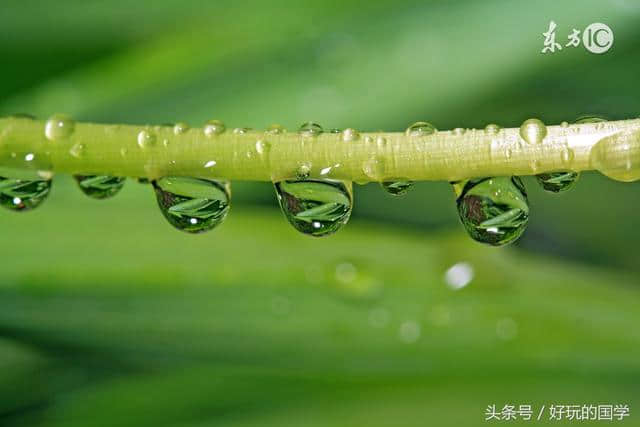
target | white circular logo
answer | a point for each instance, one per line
(597, 38)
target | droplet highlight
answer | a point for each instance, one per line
(193, 205)
(420, 129)
(99, 186)
(146, 139)
(315, 207)
(59, 126)
(533, 131)
(310, 129)
(213, 128)
(494, 211)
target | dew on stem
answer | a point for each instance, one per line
(315, 207)
(213, 128)
(193, 205)
(99, 186)
(533, 131)
(59, 126)
(310, 129)
(494, 211)
(420, 129)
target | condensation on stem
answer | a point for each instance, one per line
(61, 145)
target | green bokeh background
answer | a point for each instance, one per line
(109, 317)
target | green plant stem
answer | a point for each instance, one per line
(262, 156)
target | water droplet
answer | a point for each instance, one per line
(494, 211)
(618, 156)
(59, 126)
(276, 129)
(213, 127)
(303, 171)
(335, 130)
(210, 164)
(180, 128)
(590, 119)
(492, 129)
(564, 124)
(459, 131)
(23, 195)
(567, 155)
(533, 131)
(263, 147)
(310, 129)
(99, 186)
(241, 131)
(349, 135)
(146, 139)
(420, 129)
(315, 207)
(556, 182)
(77, 150)
(193, 205)
(397, 187)
(374, 168)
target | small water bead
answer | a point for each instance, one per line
(492, 129)
(77, 150)
(494, 211)
(180, 128)
(349, 135)
(59, 126)
(533, 131)
(213, 127)
(275, 129)
(557, 182)
(263, 147)
(459, 131)
(193, 205)
(241, 131)
(315, 207)
(564, 124)
(146, 139)
(618, 156)
(310, 129)
(397, 187)
(303, 171)
(22, 195)
(420, 129)
(335, 130)
(100, 186)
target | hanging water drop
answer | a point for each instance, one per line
(99, 186)
(193, 205)
(557, 182)
(310, 129)
(59, 126)
(397, 187)
(303, 171)
(213, 128)
(315, 207)
(533, 131)
(22, 195)
(146, 139)
(420, 129)
(494, 211)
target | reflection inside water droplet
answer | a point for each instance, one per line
(22, 195)
(59, 126)
(315, 207)
(557, 182)
(494, 211)
(397, 187)
(193, 205)
(533, 131)
(99, 186)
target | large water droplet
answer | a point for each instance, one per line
(494, 211)
(533, 131)
(315, 207)
(23, 195)
(59, 126)
(99, 186)
(557, 182)
(310, 129)
(420, 129)
(193, 205)
(618, 156)
(397, 187)
(213, 127)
